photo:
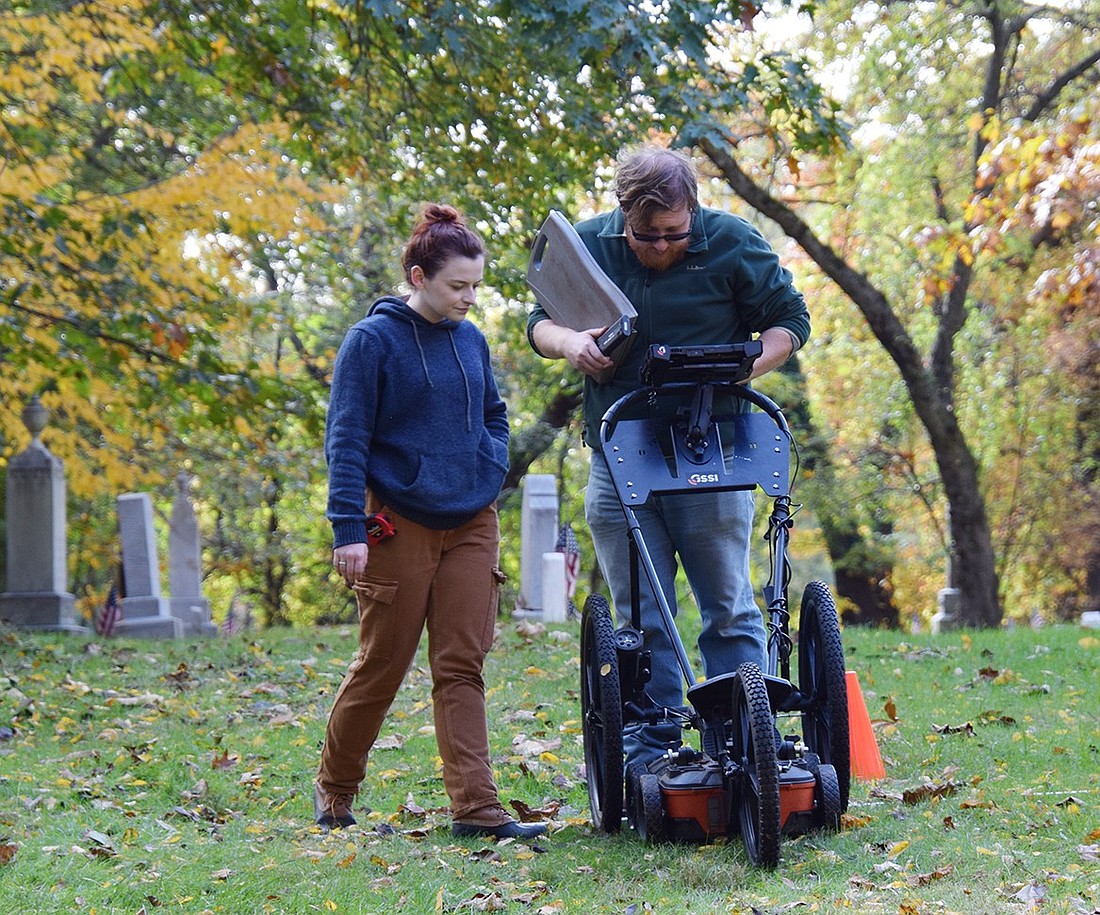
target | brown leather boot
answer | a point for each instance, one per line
(332, 811)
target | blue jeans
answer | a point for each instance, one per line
(709, 534)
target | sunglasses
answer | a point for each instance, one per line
(675, 236)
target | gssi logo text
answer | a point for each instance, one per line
(696, 478)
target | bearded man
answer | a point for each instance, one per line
(696, 276)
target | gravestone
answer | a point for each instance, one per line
(185, 565)
(538, 534)
(145, 612)
(554, 603)
(37, 556)
(948, 615)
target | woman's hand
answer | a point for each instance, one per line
(350, 561)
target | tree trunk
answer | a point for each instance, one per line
(971, 566)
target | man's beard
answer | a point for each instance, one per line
(657, 260)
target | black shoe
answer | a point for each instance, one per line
(332, 811)
(510, 829)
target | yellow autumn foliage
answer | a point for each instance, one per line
(181, 256)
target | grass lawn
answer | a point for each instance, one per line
(145, 776)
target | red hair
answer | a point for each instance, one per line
(439, 234)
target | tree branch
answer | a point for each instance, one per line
(151, 354)
(871, 302)
(1047, 97)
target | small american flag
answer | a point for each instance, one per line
(107, 618)
(567, 544)
(239, 617)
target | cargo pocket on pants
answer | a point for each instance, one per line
(377, 626)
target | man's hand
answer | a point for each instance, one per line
(581, 352)
(577, 347)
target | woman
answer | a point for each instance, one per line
(417, 449)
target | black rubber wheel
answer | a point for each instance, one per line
(827, 806)
(821, 678)
(649, 816)
(754, 750)
(602, 714)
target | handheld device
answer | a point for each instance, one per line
(618, 330)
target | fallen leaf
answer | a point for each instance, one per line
(225, 761)
(924, 792)
(967, 729)
(412, 808)
(530, 630)
(1032, 894)
(925, 879)
(7, 852)
(103, 846)
(528, 814)
(522, 745)
(281, 715)
(196, 792)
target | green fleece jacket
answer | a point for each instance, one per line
(728, 288)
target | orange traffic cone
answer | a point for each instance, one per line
(866, 760)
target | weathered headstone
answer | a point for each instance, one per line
(554, 602)
(947, 616)
(185, 564)
(538, 534)
(145, 612)
(37, 556)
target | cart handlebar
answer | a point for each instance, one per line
(740, 390)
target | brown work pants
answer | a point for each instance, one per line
(448, 581)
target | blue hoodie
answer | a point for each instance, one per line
(414, 416)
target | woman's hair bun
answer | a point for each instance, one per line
(442, 212)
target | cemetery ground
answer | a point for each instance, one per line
(143, 776)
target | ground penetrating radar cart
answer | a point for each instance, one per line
(773, 756)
